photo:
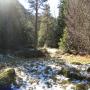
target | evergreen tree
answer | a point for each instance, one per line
(35, 5)
(60, 21)
(46, 32)
(63, 44)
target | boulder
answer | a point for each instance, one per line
(81, 87)
(7, 77)
(88, 70)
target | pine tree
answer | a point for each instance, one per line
(60, 21)
(46, 28)
(35, 5)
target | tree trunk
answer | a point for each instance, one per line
(36, 25)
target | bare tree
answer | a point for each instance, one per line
(78, 23)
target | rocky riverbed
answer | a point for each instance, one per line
(47, 74)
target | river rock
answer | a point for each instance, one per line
(7, 77)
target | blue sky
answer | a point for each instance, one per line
(53, 6)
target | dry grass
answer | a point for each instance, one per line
(76, 58)
(68, 57)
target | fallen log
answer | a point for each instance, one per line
(7, 77)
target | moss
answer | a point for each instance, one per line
(76, 63)
(71, 73)
(61, 63)
(65, 82)
(54, 78)
(64, 72)
(7, 77)
(81, 87)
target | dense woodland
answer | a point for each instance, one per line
(21, 28)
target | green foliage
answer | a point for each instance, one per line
(63, 41)
(16, 28)
(76, 63)
(42, 32)
(46, 32)
(35, 5)
(65, 72)
(60, 21)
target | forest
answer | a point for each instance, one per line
(39, 51)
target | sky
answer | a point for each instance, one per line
(53, 6)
